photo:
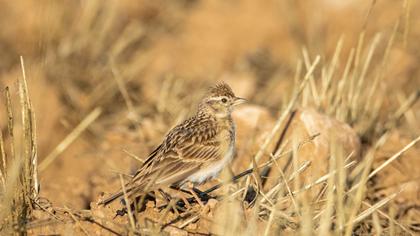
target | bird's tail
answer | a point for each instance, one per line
(111, 198)
(130, 190)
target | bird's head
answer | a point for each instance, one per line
(220, 100)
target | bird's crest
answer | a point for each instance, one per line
(221, 89)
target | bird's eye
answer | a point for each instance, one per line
(224, 100)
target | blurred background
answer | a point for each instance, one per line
(141, 66)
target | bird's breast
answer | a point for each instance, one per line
(226, 138)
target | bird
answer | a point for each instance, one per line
(194, 151)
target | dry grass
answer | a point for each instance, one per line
(19, 170)
(106, 81)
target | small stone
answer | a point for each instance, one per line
(150, 204)
(212, 203)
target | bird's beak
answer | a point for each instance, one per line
(238, 101)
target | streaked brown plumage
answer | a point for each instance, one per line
(193, 151)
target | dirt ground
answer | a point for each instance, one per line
(144, 65)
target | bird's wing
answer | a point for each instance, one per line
(184, 151)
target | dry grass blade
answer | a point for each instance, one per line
(276, 212)
(3, 167)
(391, 219)
(129, 215)
(356, 102)
(340, 181)
(377, 223)
(322, 179)
(77, 222)
(289, 190)
(394, 157)
(409, 114)
(368, 14)
(189, 221)
(325, 222)
(392, 226)
(276, 188)
(407, 14)
(8, 212)
(123, 89)
(10, 122)
(29, 138)
(342, 84)
(375, 207)
(134, 156)
(382, 70)
(312, 86)
(327, 79)
(356, 200)
(89, 119)
(406, 106)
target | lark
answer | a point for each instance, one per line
(194, 151)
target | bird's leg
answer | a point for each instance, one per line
(165, 199)
(165, 196)
(172, 204)
(186, 202)
(201, 194)
(196, 197)
(190, 188)
(170, 201)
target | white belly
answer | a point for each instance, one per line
(214, 169)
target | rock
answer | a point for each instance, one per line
(308, 122)
(329, 129)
